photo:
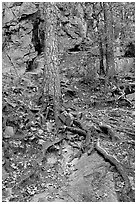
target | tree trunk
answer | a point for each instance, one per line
(108, 22)
(101, 53)
(122, 31)
(51, 69)
(102, 71)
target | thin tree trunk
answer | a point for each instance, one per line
(101, 55)
(108, 22)
(51, 69)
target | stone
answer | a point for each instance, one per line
(8, 16)
(9, 131)
(28, 8)
(41, 197)
(91, 182)
(4, 174)
(131, 97)
(40, 131)
(58, 200)
(51, 158)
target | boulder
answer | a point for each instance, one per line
(91, 181)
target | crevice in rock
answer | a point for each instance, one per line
(37, 36)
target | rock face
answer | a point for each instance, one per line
(23, 33)
(18, 22)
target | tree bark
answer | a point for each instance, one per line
(100, 44)
(108, 22)
(102, 71)
(51, 69)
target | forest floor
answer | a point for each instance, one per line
(41, 165)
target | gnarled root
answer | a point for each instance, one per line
(118, 166)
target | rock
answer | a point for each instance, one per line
(51, 158)
(8, 194)
(66, 118)
(18, 22)
(131, 97)
(41, 142)
(8, 15)
(91, 182)
(4, 174)
(21, 46)
(40, 131)
(49, 126)
(9, 132)
(132, 182)
(58, 200)
(41, 197)
(28, 8)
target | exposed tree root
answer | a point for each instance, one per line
(76, 131)
(47, 146)
(119, 168)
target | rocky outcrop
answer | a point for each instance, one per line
(18, 23)
(23, 31)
